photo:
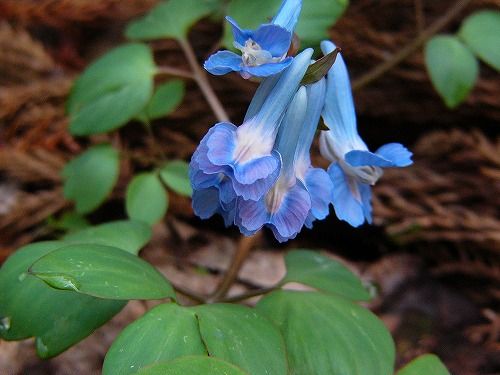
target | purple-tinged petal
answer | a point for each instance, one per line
(347, 200)
(240, 35)
(273, 38)
(252, 215)
(320, 188)
(221, 144)
(398, 154)
(223, 62)
(288, 14)
(289, 219)
(358, 158)
(266, 70)
(206, 202)
(256, 169)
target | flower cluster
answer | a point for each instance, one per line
(259, 173)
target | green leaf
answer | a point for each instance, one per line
(128, 235)
(427, 364)
(316, 18)
(244, 337)
(326, 334)
(69, 221)
(103, 272)
(165, 100)
(166, 332)
(90, 177)
(57, 318)
(171, 19)
(481, 32)
(452, 67)
(316, 270)
(112, 90)
(320, 68)
(175, 174)
(146, 199)
(193, 365)
(237, 334)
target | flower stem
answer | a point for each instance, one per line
(200, 77)
(245, 245)
(414, 45)
(174, 72)
(190, 294)
(249, 294)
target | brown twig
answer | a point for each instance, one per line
(245, 245)
(174, 72)
(201, 78)
(249, 294)
(406, 51)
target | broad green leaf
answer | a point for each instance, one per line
(57, 318)
(326, 334)
(316, 270)
(244, 337)
(175, 174)
(69, 221)
(128, 235)
(169, 19)
(90, 177)
(101, 271)
(316, 18)
(166, 332)
(427, 364)
(237, 334)
(146, 199)
(112, 90)
(165, 100)
(193, 365)
(481, 32)
(452, 67)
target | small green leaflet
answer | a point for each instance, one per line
(164, 101)
(112, 90)
(320, 68)
(146, 200)
(175, 174)
(90, 177)
(427, 364)
(452, 67)
(193, 365)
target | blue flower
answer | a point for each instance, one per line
(240, 162)
(263, 51)
(302, 193)
(354, 168)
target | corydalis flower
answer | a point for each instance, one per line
(263, 51)
(301, 193)
(354, 168)
(240, 162)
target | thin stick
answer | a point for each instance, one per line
(174, 72)
(249, 294)
(245, 245)
(406, 51)
(190, 294)
(201, 78)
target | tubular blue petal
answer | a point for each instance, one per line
(284, 90)
(289, 219)
(266, 70)
(288, 14)
(256, 169)
(320, 188)
(273, 38)
(222, 63)
(252, 215)
(206, 202)
(221, 144)
(347, 207)
(389, 155)
(240, 35)
(261, 95)
(259, 187)
(339, 113)
(398, 154)
(357, 158)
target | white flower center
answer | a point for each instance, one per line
(252, 54)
